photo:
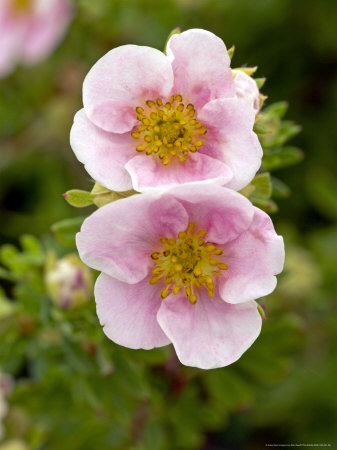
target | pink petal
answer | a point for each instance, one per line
(12, 33)
(231, 138)
(128, 312)
(225, 214)
(254, 259)
(103, 154)
(148, 173)
(120, 81)
(246, 88)
(45, 29)
(211, 333)
(201, 66)
(119, 238)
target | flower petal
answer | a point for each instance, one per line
(253, 259)
(128, 312)
(103, 154)
(147, 173)
(224, 213)
(200, 64)
(45, 28)
(231, 138)
(246, 88)
(122, 80)
(211, 333)
(119, 238)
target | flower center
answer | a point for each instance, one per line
(188, 262)
(168, 131)
(22, 6)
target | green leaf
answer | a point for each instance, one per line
(231, 51)
(277, 109)
(79, 198)
(66, 229)
(276, 158)
(260, 82)
(288, 130)
(260, 186)
(261, 128)
(279, 189)
(8, 254)
(265, 204)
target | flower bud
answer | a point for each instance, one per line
(69, 282)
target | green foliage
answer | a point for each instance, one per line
(73, 388)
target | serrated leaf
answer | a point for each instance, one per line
(79, 198)
(66, 229)
(279, 157)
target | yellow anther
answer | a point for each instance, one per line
(209, 248)
(158, 270)
(164, 293)
(176, 289)
(146, 121)
(222, 266)
(178, 267)
(139, 110)
(168, 105)
(181, 235)
(153, 280)
(178, 98)
(165, 161)
(163, 240)
(202, 233)
(202, 131)
(193, 299)
(155, 255)
(187, 291)
(216, 273)
(218, 251)
(209, 280)
(140, 148)
(147, 139)
(154, 116)
(197, 271)
(171, 241)
(159, 102)
(199, 143)
(180, 107)
(135, 135)
(150, 103)
(190, 227)
(213, 262)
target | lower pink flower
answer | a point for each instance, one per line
(183, 267)
(30, 30)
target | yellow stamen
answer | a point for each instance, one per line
(186, 263)
(169, 128)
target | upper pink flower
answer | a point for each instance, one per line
(152, 120)
(30, 29)
(183, 266)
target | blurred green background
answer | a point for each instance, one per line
(73, 387)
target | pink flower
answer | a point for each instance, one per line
(182, 266)
(153, 121)
(30, 29)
